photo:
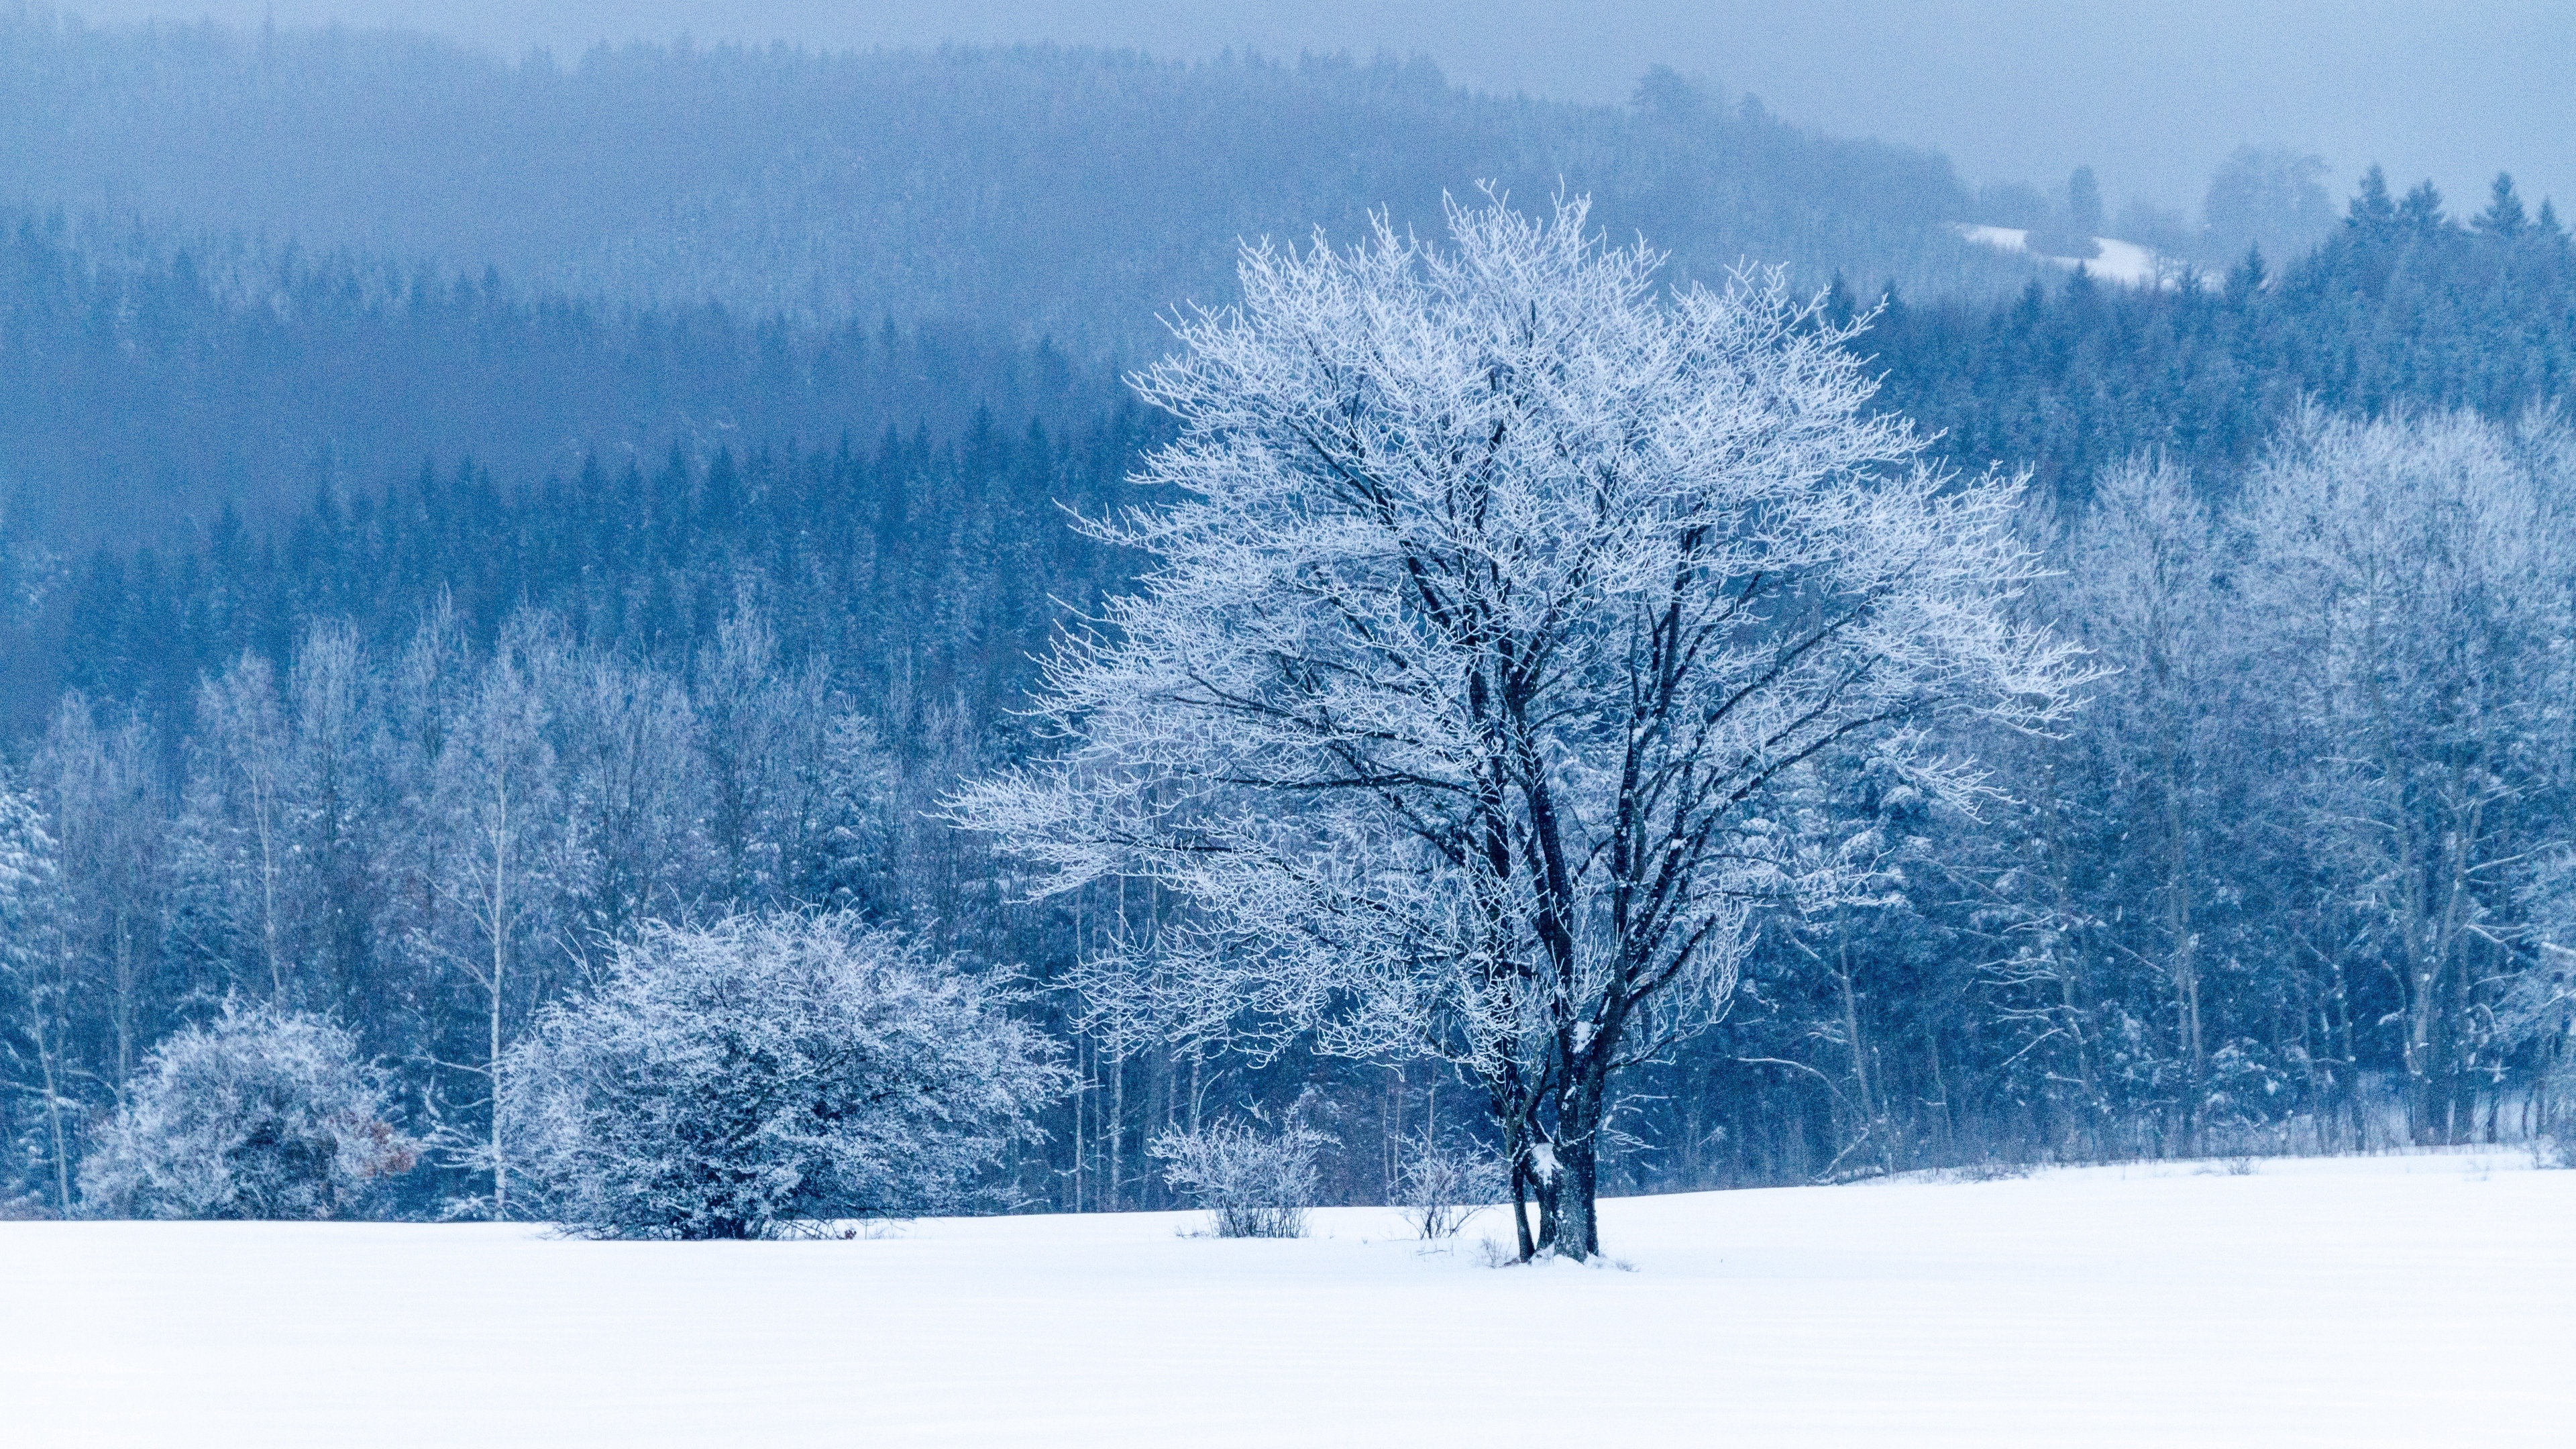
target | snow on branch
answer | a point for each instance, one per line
(1498, 598)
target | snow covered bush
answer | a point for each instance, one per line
(751, 1077)
(1256, 1183)
(258, 1114)
(1442, 1186)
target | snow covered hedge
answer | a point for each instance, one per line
(258, 1114)
(749, 1078)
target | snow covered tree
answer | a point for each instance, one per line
(2414, 575)
(847, 822)
(631, 781)
(236, 831)
(258, 1114)
(506, 855)
(2142, 570)
(735, 703)
(102, 795)
(339, 814)
(1495, 599)
(761, 734)
(36, 996)
(2536, 1019)
(748, 1078)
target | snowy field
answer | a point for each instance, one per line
(2391, 1301)
(2126, 263)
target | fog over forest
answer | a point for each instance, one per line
(2151, 95)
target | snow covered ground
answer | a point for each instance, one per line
(2126, 263)
(2424, 1300)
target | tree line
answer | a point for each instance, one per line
(150, 387)
(2402, 305)
(2288, 879)
(1028, 191)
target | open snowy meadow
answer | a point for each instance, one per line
(2413, 1300)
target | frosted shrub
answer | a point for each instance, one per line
(1443, 1186)
(749, 1078)
(260, 1114)
(1256, 1183)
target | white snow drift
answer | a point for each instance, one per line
(2126, 263)
(2390, 1301)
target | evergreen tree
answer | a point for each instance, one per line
(2371, 206)
(2422, 210)
(2504, 215)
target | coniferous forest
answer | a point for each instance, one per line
(436, 562)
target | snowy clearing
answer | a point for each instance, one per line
(2396, 1301)
(2126, 263)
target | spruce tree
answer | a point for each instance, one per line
(2504, 215)
(2422, 209)
(2371, 207)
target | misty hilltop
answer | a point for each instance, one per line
(1040, 191)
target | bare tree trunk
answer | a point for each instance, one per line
(1525, 1244)
(1516, 1151)
(2423, 985)
(46, 1042)
(1390, 1135)
(1851, 1032)
(127, 989)
(1578, 1166)
(2185, 968)
(2069, 983)
(1117, 1134)
(502, 838)
(1198, 1092)
(262, 808)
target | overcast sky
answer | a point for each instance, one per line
(2153, 95)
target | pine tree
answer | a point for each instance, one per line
(2504, 215)
(2422, 211)
(2371, 207)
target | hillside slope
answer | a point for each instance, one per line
(1063, 192)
